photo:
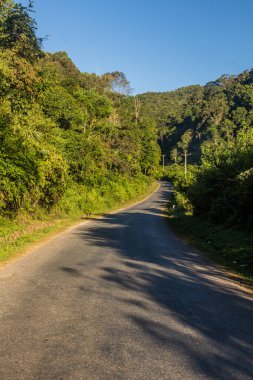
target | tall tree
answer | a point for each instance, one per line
(184, 146)
(18, 31)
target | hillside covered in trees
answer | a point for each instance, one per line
(206, 133)
(74, 142)
(68, 139)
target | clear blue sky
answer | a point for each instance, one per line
(159, 44)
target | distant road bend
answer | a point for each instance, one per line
(122, 298)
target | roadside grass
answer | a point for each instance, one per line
(230, 248)
(19, 234)
(25, 235)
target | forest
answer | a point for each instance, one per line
(206, 133)
(69, 140)
(77, 143)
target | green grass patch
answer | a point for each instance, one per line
(231, 248)
(19, 233)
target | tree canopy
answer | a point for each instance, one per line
(60, 128)
(213, 124)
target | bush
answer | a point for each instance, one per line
(88, 200)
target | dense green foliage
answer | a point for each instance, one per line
(207, 136)
(62, 132)
(74, 142)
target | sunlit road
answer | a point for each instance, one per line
(122, 298)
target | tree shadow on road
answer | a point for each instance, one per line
(204, 317)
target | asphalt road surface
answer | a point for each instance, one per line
(123, 298)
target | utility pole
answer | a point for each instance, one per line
(163, 155)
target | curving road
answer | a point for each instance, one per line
(122, 298)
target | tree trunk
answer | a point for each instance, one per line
(185, 165)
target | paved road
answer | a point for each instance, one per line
(122, 298)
